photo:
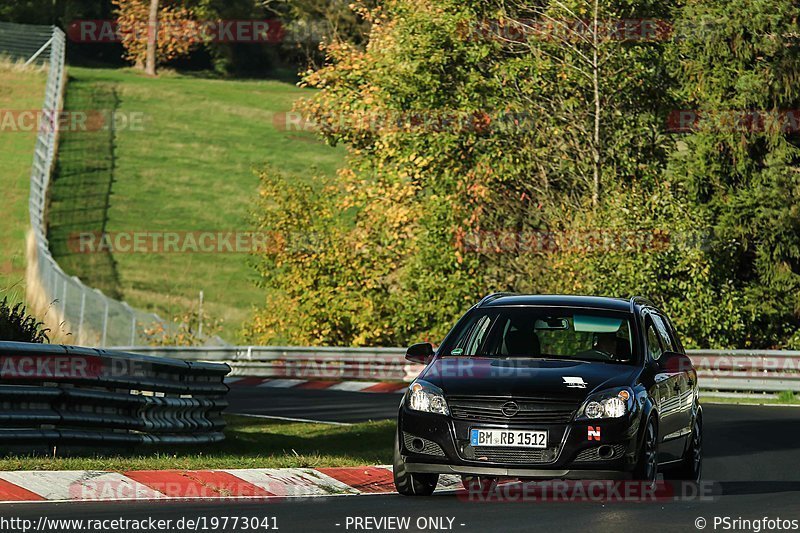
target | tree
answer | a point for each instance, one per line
(154, 32)
(311, 23)
(738, 64)
(476, 129)
(152, 36)
(453, 134)
(594, 75)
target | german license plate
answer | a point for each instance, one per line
(510, 438)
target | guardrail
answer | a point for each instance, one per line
(725, 372)
(382, 364)
(54, 396)
(759, 371)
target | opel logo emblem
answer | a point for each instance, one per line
(510, 409)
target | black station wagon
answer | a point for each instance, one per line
(551, 387)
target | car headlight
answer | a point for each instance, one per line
(614, 403)
(427, 398)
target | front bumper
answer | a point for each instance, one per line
(516, 472)
(440, 444)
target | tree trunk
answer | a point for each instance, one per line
(152, 37)
(596, 84)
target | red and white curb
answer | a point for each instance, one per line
(265, 483)
(349, 386)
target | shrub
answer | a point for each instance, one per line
(16, 325)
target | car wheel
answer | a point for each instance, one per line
(479, 485)
(646, 468)
(691, 466)
(409, 484)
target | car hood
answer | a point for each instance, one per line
(523, 377)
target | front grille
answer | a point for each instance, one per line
(511, 455)
(531, 410)
(593, 454)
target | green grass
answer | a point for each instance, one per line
(250, 443)
(784, 398)
(21, 89)
(191, 166)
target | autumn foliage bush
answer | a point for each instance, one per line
(457, 137)
(176, 35)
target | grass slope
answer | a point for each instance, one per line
(21, 89)
(250, 443)
(189, 167)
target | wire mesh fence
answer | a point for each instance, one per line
(27, 43)
(91, 317)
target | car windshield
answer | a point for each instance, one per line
(585, 335)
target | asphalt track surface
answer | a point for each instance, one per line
(752, 466)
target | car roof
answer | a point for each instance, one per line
(557, 300)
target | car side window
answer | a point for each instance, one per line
(663, 333)
(480, 335)
(654, 348)
(673, 334)
(473, 336)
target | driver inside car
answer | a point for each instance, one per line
(608, 344)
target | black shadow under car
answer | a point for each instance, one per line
(551, 387)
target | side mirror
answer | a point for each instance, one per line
(420, 353)
(675, 362)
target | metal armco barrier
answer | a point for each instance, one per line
(373, 364)
(58, 395)
(729, 372)
(760, 371)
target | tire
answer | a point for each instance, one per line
(691, 466)
(478, 485)
(646, 468)
(409, 484)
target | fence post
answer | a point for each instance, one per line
(105, 322)
(129, 309)
(64, 300)
(39, 51)
(81, 337)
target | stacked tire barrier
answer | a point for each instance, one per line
(721, 372)
(54, 396)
